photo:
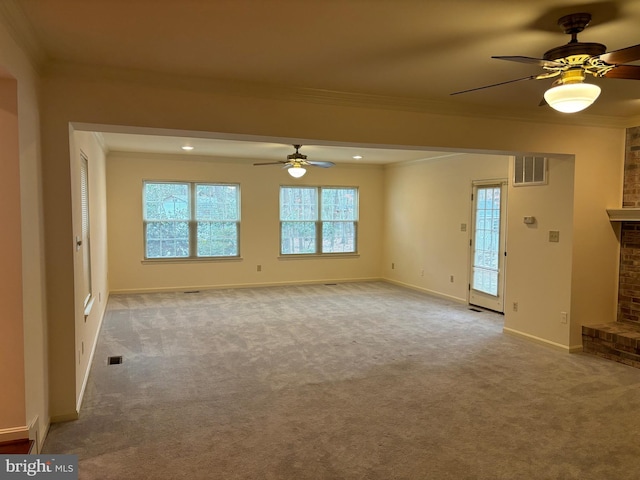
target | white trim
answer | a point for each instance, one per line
(35, 435)
(23, 32)
(65, 417)
(93, 351)
(426, 290)
(243, 285)
(14, 433)
(543, 341)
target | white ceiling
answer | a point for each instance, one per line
(262, 151)
(409, 50)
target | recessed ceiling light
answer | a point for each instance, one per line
(187, 147)
(357, 157)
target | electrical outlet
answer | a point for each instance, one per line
(554, 236)
(563, 317)
(451, 278)
(515, 306)
(393, 266)
(259, 268)
(422, 273)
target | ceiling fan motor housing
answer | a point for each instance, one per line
(576, 48)
(296, 155)
(572, 25)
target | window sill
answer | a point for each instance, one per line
(88, 307)
(155, 261)
(315, 256)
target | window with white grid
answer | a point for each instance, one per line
(318, 220)
(191, 220)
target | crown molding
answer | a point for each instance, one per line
(258, 90)
(21, 30)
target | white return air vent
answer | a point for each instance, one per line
(529, 170)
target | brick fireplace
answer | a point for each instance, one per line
(620, 340)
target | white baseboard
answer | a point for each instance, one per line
(426, 290)
(65, 417)
(36, 435)
(91, 354)
(543, 341)
(242, 285)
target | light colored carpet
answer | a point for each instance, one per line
(348, 381)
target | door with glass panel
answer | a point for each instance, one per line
(486, 287)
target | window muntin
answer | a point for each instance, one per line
(316, 220)
(191, 220)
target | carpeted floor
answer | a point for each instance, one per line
(348, 381)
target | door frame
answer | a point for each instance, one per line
(490, 304)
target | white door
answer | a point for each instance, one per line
(488, 246)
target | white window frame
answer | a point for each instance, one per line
(319, 222)
(85, 239)
(192, 221)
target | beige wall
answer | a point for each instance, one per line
(426, 204)
(12, 394)
(22, 151)
(539, 272)
(133, 99)
(259, 242)
(87, 324)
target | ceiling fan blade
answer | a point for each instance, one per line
(624, 55)
(532, 77)
(631, 72)
(271, 163)
(320, 164)
(534, 61)
(543, 103)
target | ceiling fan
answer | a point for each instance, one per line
(296, 162)
(571, 63)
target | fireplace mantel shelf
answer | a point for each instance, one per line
(628, 214)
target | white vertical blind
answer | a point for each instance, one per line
(85, 247)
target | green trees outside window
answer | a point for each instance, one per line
(191, 220)
(318, 220)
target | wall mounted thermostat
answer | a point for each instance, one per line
(529, 220)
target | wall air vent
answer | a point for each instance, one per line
(529, 170)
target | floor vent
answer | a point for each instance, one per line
(330, 284)
(114, 360)
(192, 291)
(475, 310)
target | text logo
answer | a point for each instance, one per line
(51, 467)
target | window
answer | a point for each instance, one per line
(85, 240)
(318, 220)
(191, 220)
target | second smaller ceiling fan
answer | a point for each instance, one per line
(296, 163)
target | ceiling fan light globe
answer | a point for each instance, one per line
(572, 97)
(297, 172)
